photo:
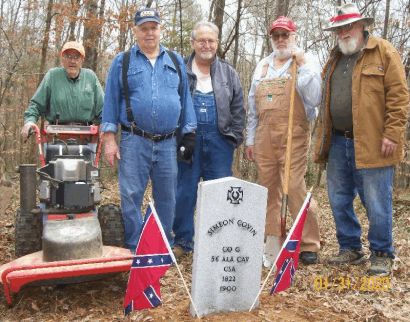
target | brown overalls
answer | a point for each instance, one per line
(272, 97)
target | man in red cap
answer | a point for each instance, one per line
(267, 123)
(361, 134)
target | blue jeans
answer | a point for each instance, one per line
(213, 156)
(142, 159)
(375, 188)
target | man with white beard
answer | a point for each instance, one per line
(361, 132)
(267, 123)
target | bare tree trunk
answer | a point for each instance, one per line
(236, 35)
(282, 8)
(18, 5)
(308, 14)
(92, 30)
(1, 12)
(219, 10)
(101, 18)
(75, 7)
(181, 37)
(122, 19)
(386, 19)
(268, 46)
(45, 40)
(211, 10)
(173, 30)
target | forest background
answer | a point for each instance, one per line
(32, 33)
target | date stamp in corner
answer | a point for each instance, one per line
(351, 283)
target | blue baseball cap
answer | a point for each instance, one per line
(146, 14)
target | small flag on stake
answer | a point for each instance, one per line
(151, 260)
(288, 258)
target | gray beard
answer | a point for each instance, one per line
(206, 56)
(283, 54)
(349, 47)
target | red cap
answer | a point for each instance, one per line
(283, 22)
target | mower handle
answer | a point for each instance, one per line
(90, 130)
(37, 133)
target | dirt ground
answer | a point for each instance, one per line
(308, 300)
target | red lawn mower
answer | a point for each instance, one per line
(64, 239)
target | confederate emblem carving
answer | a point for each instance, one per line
(235, 195)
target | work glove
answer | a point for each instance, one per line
(25, 131)
(186, 147)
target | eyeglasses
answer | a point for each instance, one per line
(344, 28)
(72, 56)
(203, 42)
(277, 35)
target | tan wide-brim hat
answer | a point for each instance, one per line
(73, 45)
(347, 14)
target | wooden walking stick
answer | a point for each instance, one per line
(288, 153)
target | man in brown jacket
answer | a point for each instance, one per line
(362, 121)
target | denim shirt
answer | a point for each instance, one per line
(308, 87)
(156, 105)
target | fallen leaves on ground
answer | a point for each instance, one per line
(307, 300)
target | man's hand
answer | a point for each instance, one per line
(25, 131)
(187, 146)
(110, 148)
(388, 147)
(299, 57)
(249, 153)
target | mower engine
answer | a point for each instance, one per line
(69, 181)
(65, 225)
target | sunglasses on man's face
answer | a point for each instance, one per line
(276, 35)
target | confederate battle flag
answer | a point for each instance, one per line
(151, 260)
(288, 258)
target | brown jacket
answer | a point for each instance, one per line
(380, 103)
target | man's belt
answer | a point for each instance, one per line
(147, 135)
(346, 134)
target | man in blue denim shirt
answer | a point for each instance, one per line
(218, 103)
(148, 144)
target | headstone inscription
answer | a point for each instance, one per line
(229, 234)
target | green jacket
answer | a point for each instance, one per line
(78, 100)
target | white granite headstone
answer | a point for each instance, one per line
(229, 234)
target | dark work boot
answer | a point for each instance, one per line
(380, 264)
(308, 258)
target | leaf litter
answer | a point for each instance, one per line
(102, 300)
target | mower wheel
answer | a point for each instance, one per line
(112, 225)
(28, 231)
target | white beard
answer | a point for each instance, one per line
(348, 47)
(206, 55)
(285, 53)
